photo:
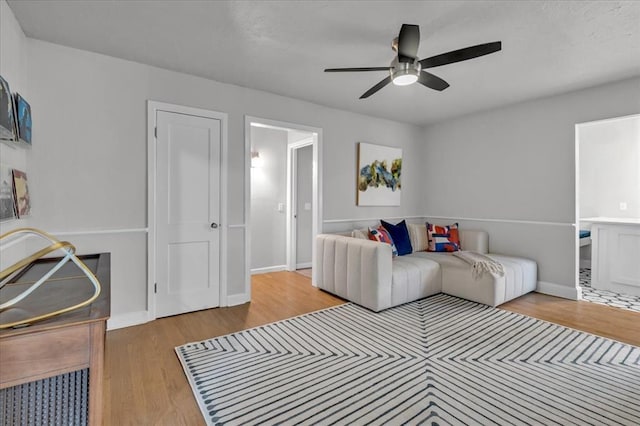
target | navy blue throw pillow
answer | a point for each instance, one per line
(400, 235)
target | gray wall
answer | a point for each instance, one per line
(268, 189)
(87, 167)
(304, 197)
(503, 168)
(609, 154)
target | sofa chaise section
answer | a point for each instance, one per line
(520, 277)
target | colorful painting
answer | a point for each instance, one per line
(23, 119)
(7, 202)
(7, 117)
(379, 173)
(21, 193)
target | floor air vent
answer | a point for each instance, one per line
(60, 400)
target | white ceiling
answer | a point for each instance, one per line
(282, 47)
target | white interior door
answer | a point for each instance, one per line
(187, 213)
(300, 198)
(303, 205)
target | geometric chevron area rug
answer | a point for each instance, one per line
(436, 361)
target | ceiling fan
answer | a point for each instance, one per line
(406, 68)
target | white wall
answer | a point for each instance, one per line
(609, 156)
(505, 166)
(13, 68)
(268, 189)
(89, 173)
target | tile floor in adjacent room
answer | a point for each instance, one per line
(606, 297)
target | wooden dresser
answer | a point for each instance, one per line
(63, 352)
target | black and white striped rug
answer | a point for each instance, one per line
(437, 361)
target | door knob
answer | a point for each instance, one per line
(214, 225)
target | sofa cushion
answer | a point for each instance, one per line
(413, 278)
(381, 235)
(418, 236)
(400, 236)
(443, 238)
(520, 275)
(361, 234)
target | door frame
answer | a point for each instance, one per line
(152, 108)
(316, 182)
(576, 190)
(292, 200)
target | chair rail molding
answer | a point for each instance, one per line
(470, 219)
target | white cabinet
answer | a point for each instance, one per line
(615, 261)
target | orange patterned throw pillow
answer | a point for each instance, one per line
(443, 238)
(381, 235)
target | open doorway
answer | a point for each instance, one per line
(608, 211)
(284, 203)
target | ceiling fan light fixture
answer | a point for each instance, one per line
(404, 77)
(404, 73)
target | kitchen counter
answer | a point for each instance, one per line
(615, 254)
(612, 220)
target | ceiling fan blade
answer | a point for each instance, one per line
(432, 81)
(408, 42)
(461, 54)
(356, 69)
(375, 88)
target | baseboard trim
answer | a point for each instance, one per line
(559, 290)
(238, 299)
(304, 265)
(127, 320)
(276, 268)
(585, 263)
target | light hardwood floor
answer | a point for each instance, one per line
(145, 384)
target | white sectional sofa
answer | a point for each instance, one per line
(364, 272)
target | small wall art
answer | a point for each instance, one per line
(21, 193)
(7, 115)
(379, 173)
(7, 200)
(23, 119)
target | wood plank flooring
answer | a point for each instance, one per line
(145, 384)
(618, 324)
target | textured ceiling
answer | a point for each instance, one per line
(282, 47)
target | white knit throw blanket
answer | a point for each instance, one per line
(480, 263)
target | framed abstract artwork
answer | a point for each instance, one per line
(23, 119)
(7, 116)
(7, 200)
(379, 175)
(21, 193)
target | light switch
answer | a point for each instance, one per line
(280, 207)
(307, 206)
(623, 206)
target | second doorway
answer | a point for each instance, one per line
(284, 212)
